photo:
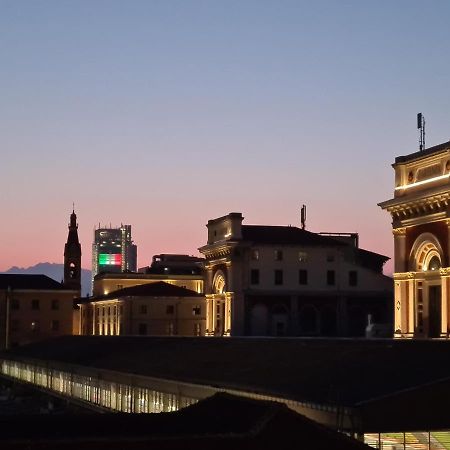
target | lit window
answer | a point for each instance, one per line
(302, 256)
(255, 255)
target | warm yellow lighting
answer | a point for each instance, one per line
(429, 180)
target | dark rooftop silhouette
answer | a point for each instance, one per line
(219, 422)
(16, 281)
(314, 370)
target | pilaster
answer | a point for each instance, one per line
(400, 249)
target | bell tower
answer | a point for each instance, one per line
(72, 256)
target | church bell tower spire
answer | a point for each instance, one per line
(72, 256)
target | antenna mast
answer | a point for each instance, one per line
(303, 216)
(421, 127)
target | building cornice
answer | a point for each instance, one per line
(440, 194)
(218, 249)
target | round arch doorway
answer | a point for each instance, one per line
(426, 260)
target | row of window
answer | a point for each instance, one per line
(279, 256)
(33, 326)
(170, 309)
(35, 304)
(303, 277)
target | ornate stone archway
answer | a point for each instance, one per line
(426, 253)
(218, 306)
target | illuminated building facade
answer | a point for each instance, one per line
(113, 251)
(275, 280)
(179, 270)
(420, 213)
(157, 308)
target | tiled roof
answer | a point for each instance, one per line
(279, 235)
(421, 154)
(264, 234)
(158, 289)
(25, 281)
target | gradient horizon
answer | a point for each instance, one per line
(166, 114)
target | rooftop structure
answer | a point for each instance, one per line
(156, 308)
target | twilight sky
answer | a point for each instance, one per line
(164, 114)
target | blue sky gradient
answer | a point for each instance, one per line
(164, 114)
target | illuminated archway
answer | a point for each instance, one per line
(219, 283)
(426, 254)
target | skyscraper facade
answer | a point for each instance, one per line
(113, 251)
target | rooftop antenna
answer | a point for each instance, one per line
(421, 127)
(303, 217)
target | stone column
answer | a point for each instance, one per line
(411, 304)
(399, 309)
(227, 318)
(445, 273)
(210, 315)
(207, 287)
(400, 258)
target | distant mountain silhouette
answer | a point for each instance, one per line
(55, 271)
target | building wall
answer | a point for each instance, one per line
(339, 293)
(318, 262)
(112, 282)
(421, 229)
(162, 316)
(37, 314)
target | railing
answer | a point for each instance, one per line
(418, 440)
(104, 393)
